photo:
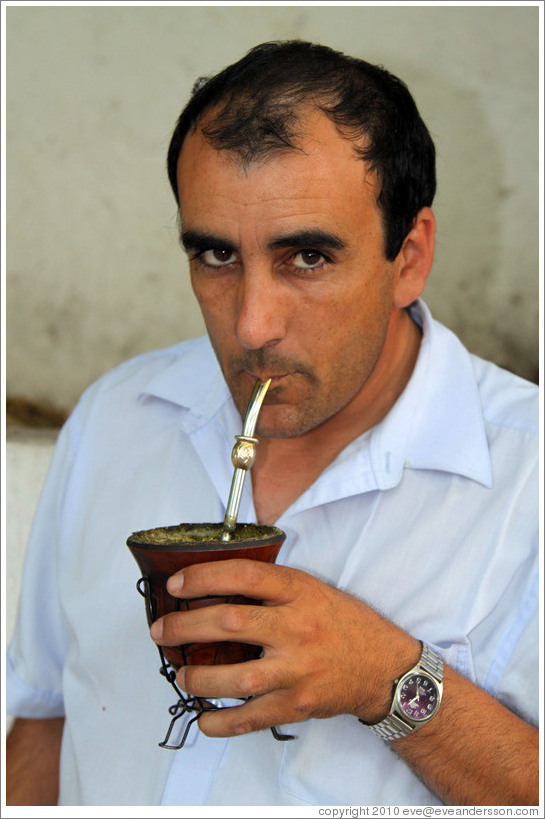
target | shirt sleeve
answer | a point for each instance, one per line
(513, 676)
(36, 653)
(505, 645)
(518, 683)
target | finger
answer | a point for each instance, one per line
(254, 715)
(221, 622)
(251, 578)
(237, 680)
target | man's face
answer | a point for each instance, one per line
(287, 263)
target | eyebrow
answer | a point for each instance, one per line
(313, 237)
(309, 238)
(201, 240)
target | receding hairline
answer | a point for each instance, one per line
(205, 122)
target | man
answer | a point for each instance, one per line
(402, 469)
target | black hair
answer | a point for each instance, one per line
(257, 102)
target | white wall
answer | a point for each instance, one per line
(94, 272)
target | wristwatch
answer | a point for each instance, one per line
(417, 697)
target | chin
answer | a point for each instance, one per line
(282, 422)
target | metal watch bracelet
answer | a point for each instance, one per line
(394, 726)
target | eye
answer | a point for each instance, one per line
(309, 259)
(217, 257)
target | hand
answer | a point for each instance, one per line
(324, 651)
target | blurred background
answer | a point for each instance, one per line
(94, 271)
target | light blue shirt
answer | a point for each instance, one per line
(431, 516)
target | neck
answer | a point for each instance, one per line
(286, 467)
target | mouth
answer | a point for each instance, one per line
(288, 377)
(276, 380)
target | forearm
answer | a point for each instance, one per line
(32, 762)
(475, 751)
(328, 653)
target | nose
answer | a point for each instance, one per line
(262, 310)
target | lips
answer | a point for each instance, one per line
(274, 378)
(259, 365)
(278, 389)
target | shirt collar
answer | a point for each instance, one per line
(193, 381)
(436, 423)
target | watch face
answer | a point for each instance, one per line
(418, 697)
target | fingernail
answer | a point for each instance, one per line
(156, 630)
(180, 678)
(175, 583)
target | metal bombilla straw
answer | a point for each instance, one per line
(243, 457)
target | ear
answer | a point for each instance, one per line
(414, 260)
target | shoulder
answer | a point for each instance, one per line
(191, 353)
(137, 373)
(167, 373)
(507, 400)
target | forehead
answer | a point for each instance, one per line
(321, 179)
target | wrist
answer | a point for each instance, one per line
(402, 655)
(416, 698)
